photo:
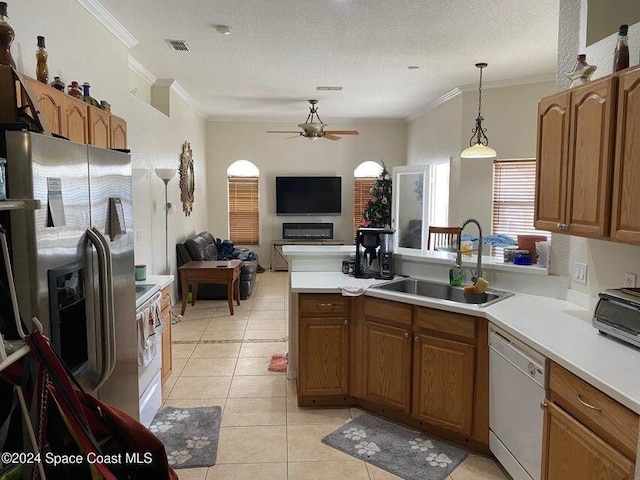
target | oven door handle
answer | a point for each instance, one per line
(105, 283)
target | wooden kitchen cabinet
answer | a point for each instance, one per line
(51, 104)
(444, 369)
(387, 354)
(74, 119)
(323, 347)
(625, 221)
(575, 140)
(387, 365)
(571, 451)
(118, 132)
(587, 435)
(443, 383)
(167, 353)
(99, 128)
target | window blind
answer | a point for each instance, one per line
(361, 196)
(514, 183)
(244, 218)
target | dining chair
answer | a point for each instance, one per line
(443, 237)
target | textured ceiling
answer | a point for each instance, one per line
(279, 51)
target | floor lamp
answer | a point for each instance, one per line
(166, 174)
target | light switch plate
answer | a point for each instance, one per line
(581, 273)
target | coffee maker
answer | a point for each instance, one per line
(374, 253)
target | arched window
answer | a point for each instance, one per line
(365, 176)
(244, 207)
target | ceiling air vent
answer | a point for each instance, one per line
(178, 45)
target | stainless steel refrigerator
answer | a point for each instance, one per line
(73, 258)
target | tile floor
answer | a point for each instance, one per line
(219, 359)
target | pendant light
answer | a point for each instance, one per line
(479, 143)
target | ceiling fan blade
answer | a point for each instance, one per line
(295, 136)
(283, 131)
(343, 132)
(330, 136)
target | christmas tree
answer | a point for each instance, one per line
(377, 213)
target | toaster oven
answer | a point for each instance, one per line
(618, 314)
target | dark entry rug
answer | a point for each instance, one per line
(396, 449)
(190, 435)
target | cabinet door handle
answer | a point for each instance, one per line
(417, 338)
(346, 322)
(588, 405)
(406, 334)
(543, 405)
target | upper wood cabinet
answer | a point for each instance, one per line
(52, 106)
(588, 159)
(591, 141)
(575, 158)
(76, 120)
(625, 221)
(99, 128)
(118, 132)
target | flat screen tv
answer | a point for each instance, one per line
(308, 195)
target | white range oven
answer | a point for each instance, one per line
(150, 325)
(516, 395)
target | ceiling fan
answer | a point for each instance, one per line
(313, 128)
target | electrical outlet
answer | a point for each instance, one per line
(580, 275)
(630, 280)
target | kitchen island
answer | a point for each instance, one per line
(556, 328)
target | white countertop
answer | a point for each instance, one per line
(556, 328)
(161, 280)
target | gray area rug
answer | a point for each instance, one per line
(396, 449)
(190, 435)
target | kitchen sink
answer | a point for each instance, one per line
(442, 291)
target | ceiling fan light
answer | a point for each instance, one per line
(479, 151)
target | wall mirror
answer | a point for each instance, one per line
(187, 179)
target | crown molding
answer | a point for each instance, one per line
(329, 121)
(450, 95)
(139, 69)
(109, 21)
(511, 82)
(453, 93)
(188, 98)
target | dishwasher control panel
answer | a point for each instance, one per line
(519, 355)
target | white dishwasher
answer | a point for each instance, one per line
(516, 392)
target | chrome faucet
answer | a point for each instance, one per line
(478, 272)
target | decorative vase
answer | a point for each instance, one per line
(42, 70)
(581, 72)
(74, 90)
(6, 38)
(86, 95)
(57, 84)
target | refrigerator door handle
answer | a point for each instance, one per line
(105, 282)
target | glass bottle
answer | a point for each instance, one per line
(57, 84)
(621, 54)
(42, 70)
(6, 37)
(74, 90)
(87, 95)
(582, 71)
